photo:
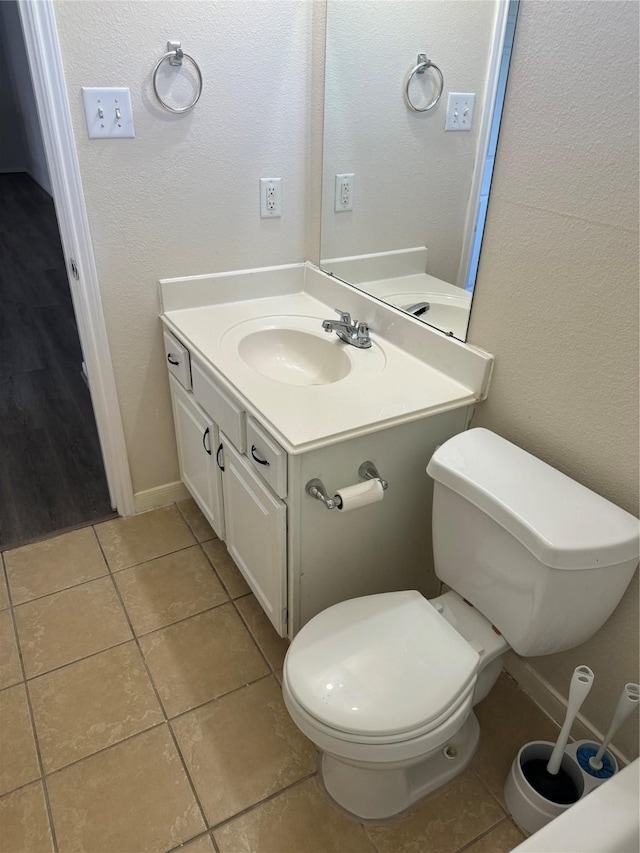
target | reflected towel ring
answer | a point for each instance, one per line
(175, 55)
(420, 68)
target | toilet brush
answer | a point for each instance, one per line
(598, 763)
(549, 779)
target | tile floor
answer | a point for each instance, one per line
(141, 710)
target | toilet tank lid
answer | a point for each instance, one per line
(563, 524)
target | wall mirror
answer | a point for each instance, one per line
(404, 197)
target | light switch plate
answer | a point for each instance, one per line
(108, 112)
(460, 111)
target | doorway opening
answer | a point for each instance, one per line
(52, 474)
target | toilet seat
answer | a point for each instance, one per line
(380, 669)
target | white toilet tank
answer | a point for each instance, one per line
(543, 558)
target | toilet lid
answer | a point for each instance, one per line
(382, 664)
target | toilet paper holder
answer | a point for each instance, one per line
(315, 487)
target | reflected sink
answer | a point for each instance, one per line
(447, 313)
(294, 357)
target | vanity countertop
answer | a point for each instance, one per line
(400, 378)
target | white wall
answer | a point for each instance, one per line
(182, 197)
(21, 148)
(557, 294)
(412, 180)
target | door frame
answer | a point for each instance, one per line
(45, 62)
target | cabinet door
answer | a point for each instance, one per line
(256, 522)
(198, 439)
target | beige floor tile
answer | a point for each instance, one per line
(4, 598)
(134, 796)
(300, 820)
(502, 839)
(10, 670)
(199, 525)
(92, 704)
(227, 570)
(129, 541)
(204, 844)
(18, 759)
(169, 588)
(201, 658)
(242, 748)
(69, 625)
(54, 564)
(499, 743)
(273, 647)
(445, 821)
(24, 824)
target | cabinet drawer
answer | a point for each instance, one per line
(177, 358)
(227, 414)
(267, 458)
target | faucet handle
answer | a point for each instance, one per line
(345, 317)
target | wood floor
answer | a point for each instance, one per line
(51, 470)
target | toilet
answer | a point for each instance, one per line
(385, 684)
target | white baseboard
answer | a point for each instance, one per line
(552, 703)
(170, 493)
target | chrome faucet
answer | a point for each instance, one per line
(418, 309)
(354, 333)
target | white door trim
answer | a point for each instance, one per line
(45, 61)
(484, 135)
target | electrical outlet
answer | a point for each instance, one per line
(270, 198)
(108, 112)
(344, 192)
(460, 111)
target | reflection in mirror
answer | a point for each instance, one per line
(409, 143)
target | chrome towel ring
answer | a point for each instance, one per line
(175, 55)
(420, 68)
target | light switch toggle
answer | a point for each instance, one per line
(108, 112)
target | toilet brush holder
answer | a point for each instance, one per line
(532, 796)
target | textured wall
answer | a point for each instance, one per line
(182, 197)
(557, 294)
(412, 180)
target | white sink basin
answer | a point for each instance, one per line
(294, 349)
(294, 357)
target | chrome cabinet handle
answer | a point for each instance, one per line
(256, 459)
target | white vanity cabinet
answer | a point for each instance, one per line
(297, 556)
(198, 441)
(256, 534)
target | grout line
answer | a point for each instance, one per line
(254, 638)
(217, 698)
(30, 678)
(267, 799)
(482, 835)
(162, 708)
(34, 731)
(191, 526)
(43, 537)
(489, 791)
(64, 588)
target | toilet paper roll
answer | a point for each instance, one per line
(361, 494)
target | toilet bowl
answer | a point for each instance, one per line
(385, 684)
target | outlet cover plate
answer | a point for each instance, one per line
(270, 198)
(108, 112)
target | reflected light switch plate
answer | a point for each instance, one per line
(108, 112)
